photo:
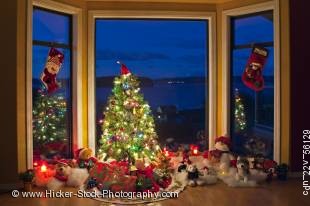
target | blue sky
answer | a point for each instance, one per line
(156, 48)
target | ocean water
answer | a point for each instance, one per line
(184, 96)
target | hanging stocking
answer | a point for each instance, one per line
(52, 67)
(252, 77)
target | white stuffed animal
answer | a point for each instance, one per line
(66, 175)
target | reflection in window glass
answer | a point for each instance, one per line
(257, 137)
(245, 32)
(51, 112)
(171, 63)
(51, 26)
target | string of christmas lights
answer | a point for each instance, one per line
(49, 118)
(240, 118)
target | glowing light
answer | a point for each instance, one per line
(166, 153)
(43, 168)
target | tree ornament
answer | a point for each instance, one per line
(140, 134)
(124, 69)
(126, 86)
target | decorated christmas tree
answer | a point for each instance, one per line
(240, 119)
(49, 123)
(128, 127)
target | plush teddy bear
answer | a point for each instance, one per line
(220, 158)
(85, 159)
(66, 175)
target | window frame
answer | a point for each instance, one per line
(143, 14)
(227, 15)
(76, 69)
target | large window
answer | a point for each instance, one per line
(256, 136)
(52, 114)
(170, 57)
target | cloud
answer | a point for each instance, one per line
(129, 56)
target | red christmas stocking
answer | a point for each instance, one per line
(252, 77)
(52, 67)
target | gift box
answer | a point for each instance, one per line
(124, 183)
(113, 177)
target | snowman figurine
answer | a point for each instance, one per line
(220, 158)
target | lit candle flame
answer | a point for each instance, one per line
(43, 168)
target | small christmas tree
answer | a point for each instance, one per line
(128, 126)
(49, 121)
(240, 119)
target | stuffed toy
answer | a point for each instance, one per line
(195, 177)
(66, 175)
(192, 175)
(84, 158)
(243, 169)
(52, 67)
(220, 158)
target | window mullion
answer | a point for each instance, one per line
(51, 44)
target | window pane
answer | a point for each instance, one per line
(258, 107)
(51, 112)
(253, 29)
(171, 62)
(51, 26)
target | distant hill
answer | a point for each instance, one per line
(108, 81)
(183, 80)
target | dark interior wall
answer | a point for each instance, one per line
(300, 78)
(8, 88)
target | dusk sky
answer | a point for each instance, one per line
(156, 48)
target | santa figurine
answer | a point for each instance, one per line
(53, 64)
